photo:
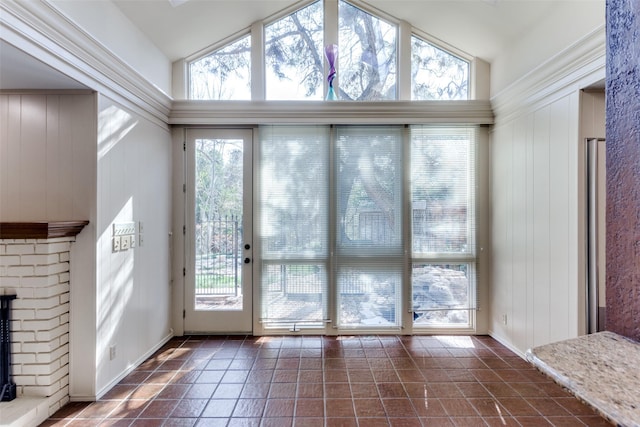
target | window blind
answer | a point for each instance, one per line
(334, 229)
(293, 214)
(443, 273)
(369, 243)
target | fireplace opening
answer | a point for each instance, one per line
(7, 386)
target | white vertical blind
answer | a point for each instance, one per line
(443, 226)
(369, 226)
(293, 222)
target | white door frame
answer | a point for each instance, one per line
(217, 321)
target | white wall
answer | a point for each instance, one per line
(106, 23)
(568, 24)
(538, 205)
(133, 287)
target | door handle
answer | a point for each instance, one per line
(247, 260)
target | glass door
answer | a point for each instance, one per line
(219, 249)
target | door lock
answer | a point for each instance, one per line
(247, 260)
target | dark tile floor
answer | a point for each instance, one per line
(364, 381)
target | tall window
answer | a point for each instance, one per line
(442, 225)
(295, 65)
(369, 242)
(336, 233)
(293, 224)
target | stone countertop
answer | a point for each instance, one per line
(602, 369)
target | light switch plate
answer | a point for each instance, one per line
(115, 244)
(125, 242)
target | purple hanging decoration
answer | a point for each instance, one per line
(332, 54)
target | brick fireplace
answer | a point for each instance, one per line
(34, 265)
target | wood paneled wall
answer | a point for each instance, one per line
(535, 225)
(47, 156)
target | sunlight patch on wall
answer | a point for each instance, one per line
(113, 125)
(114, 291)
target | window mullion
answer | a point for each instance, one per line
(404, 61)
(407, 294)
(331, 37)
(332, 309)
(257, 62)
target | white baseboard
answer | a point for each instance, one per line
(507, 344)
(127, 371)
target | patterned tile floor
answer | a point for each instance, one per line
(364, 381)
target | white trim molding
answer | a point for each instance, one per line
(190, 112)
(40, 30)
(132, 367)
(581, 63)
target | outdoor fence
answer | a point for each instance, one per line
(219, 256)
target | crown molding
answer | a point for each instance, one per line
(39, 29)
(190, 112)
(580, 64)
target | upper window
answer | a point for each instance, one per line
(367, 67)
(293, 55)
(437, 74)
(367, 56)
(223, 74)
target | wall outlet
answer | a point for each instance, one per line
(112, 352)
(504, 319)
(125, 242)
(115, 243)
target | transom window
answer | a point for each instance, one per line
(295, 66)
(224, 74)
(367, 48)
(437, 74)
(293, 55)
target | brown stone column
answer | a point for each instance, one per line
(623, 167)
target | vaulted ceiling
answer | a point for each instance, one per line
(180, 28)
(480, 28)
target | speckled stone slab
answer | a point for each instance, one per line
(601, 369)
